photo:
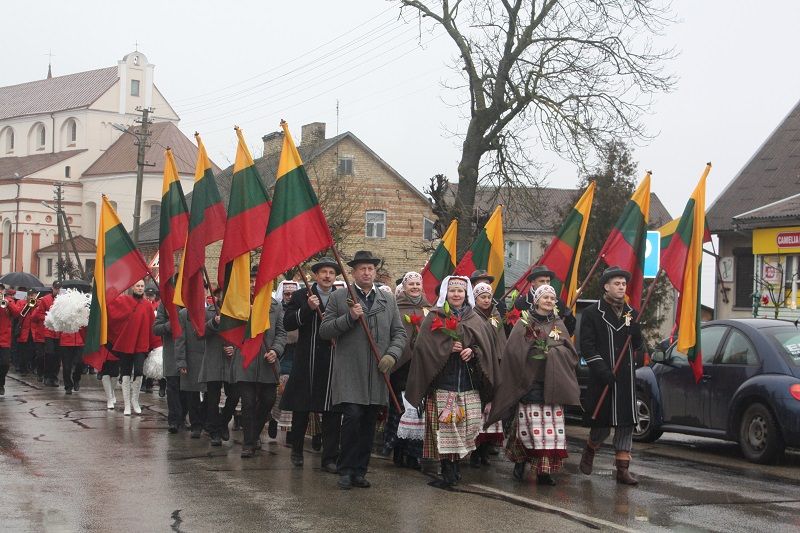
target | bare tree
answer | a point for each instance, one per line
(568, 74)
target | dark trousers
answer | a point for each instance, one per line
(52, 359)
(257, 402)
(217, 420)
(5, 363)
(131, 364)
(71, 365)
(357, 434)
(195, 407)
(177, 402)
(331, 427)
(27, 355)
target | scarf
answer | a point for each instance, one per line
(618, 306)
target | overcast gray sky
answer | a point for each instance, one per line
(253, 63)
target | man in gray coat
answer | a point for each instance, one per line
(189, 349)
(357, 386)
(177, 402)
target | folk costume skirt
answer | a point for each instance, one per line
(452, 423)
(538, 437)
(494, 433)
(283, 418)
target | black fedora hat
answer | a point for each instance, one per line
(326, 262)
(364, 256)
(539, 271)
(480, 274)
(613, 272)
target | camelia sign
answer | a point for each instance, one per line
(788, 239)
(770, 241)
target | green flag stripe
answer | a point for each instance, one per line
(172, 205)
(296, 194)
(247, 192)
(441, 264)
(204, 195)
(480, 251)
(118, 244)
(631, 224)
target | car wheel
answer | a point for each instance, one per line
(759, 436)
(644, 430)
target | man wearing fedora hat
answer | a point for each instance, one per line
(541, 275)
(357, 386)
(308, 388)
(605, 327)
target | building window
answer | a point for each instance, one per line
(72, 132)
(41, 137)
(155, 210)
(346, 166)
(49, 267)
(743, 264)
(427, 229)
(376, 224)
(519, 251)
(6, 237)
(8, 139)
(134, 87)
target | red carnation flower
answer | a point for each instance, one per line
(416, 320)
(451, 323)
(437, 323)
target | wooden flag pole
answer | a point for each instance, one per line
(363, 322)
(624, 351)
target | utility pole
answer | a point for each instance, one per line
(142, 133)
(60, 265)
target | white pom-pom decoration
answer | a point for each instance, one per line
(153, 365)
(69, 312)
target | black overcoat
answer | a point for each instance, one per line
(309, 384)
(602, 336)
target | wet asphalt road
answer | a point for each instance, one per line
(68, 464)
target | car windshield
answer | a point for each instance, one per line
(788, 339)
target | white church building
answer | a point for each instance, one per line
(77, 130)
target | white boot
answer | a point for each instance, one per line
(108, 386)
(136, 388)
(126, 394)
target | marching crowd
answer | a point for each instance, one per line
(469, 375)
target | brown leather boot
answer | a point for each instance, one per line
(623, 476)
(587, 459)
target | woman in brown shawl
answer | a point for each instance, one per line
(454, 366)
(538, 376)
(413, 307)
(486, 309)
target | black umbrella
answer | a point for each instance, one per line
(81, 285)
(20, 279)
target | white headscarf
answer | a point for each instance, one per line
(281, 285)
(541, 291)
(398, 290)
(443, 291)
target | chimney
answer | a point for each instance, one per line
(273, 142)
(312, 134)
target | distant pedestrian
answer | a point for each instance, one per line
(189, 350)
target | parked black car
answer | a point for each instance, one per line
(749, 392)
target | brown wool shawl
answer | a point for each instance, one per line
(499, 331)
(407, 307)
(432, 350)
(520, 371)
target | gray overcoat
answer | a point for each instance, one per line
(355, 372)
(162, 328)
(216, 365)
(189, 350)
(260, 371)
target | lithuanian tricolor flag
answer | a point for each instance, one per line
(441, 264)
(172, 236)
(118, 265)
(248, 216)
(563, 255)
(625, 246)
(683, 262)
(487, 253)
(297, 227)
(206, 225)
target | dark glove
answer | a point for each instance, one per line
(386, 363)
(607, 376)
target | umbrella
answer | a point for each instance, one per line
(20, 279)
(81, 285)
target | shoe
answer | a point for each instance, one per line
(345, 483)
(545, 479)
(258, 444)
(126, 395)
(316, 443)
(162, 392)
(623, 476)
(196, 432)
(475, 459)
(412, 462)
(448, 472)
(68, 391)
(111, 398)
(216, 441)
(360, 482)
(226, 434)
(297, 460)
(330, 468)
(173, 428)
(248, 453)
(386, 451)
(492, 449)
(398, 457)
(519, 471)
(587, 460)
(457, 469)
(135, 391)
(2, 391)
(76, 387)
(483, 453)
(272, 429)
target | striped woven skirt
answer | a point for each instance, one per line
(283, 418)
(454, 438)
(412, 423)
(538, 436)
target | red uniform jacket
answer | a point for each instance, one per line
(43, 306)
(130, 325)
(6, 317)
(72, 339)
(32, 323)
